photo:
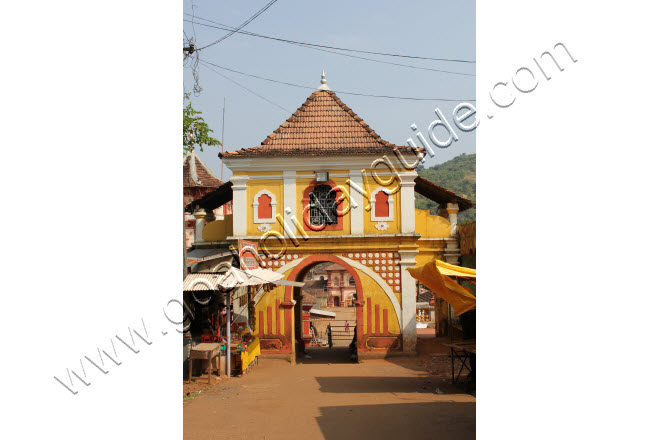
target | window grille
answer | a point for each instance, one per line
(322, 206)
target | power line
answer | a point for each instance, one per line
(305, 45)
(245, 23)
(226, 27)
(337, 91)
(389, 62)
(204, 63)
(192, 8)
(256, 76)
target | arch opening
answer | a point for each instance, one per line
(327, 312)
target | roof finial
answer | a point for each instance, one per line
(324, 85)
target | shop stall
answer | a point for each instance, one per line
(245, 352)
(216, 326)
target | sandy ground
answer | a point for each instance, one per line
(327, 397)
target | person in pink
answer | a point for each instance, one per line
(346, 326)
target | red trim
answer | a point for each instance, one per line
(377, 326)
(339, 196)
(269, 312)
(369, 316)
(277, 317)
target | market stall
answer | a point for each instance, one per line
(246, 352)
(443, 279)
(244, 348)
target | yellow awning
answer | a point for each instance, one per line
(451, 270)
(436, 275)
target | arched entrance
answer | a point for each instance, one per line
(298, 274)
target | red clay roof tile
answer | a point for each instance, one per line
(204, 174)
(323, 125)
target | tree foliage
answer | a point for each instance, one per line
(457, 175)
(195, 130)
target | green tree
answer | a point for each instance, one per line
(195, 130)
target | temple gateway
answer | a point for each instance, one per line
(324, 187)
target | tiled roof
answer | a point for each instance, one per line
(335, 266)
(315, 284)
(440, 195)
(308, 299)
(204, 174)
(323, 125)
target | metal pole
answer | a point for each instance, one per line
(450, 325)
(228, 345)
(222, 165)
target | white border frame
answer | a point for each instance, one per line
(255, 207)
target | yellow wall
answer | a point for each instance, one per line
(372, 290)
(431, 225)
(219, 230)
(425, 224)
(424, 257)
(268, 300)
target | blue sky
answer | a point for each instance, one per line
(439, 29)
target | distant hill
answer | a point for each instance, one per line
(457, 175)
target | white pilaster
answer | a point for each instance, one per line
(452, 209)
(239, 190)
(199, 215)
(289, 182)
(407, 182)
(357, 202)
(408, 301)
(452, 252)
(199, 225)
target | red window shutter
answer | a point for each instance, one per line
(382, 207)
(265, 210)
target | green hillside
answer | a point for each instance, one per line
(457, 175)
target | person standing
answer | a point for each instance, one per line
(346, 326)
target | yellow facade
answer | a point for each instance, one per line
(372, 253)
(219, 230)
(431, 226)
(254, 186)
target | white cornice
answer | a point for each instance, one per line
(352, 173)
(305, 163)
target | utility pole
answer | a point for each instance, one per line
(222, 146)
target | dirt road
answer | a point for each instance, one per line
(329, 398)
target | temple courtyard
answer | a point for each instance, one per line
(328, 397)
